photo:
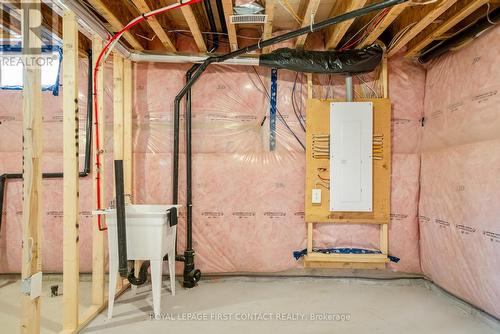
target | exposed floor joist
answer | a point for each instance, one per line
(393, 13)
(187, 11)
(143, 8)
(335, 33)
(105, 12)
(312, 8)
(268, 26)
(231, 28)
(420, 24)
(416, 46)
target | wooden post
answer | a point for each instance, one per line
(98, 267)
(71, 188)
(32, 175)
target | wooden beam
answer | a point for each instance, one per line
(268, 26)
(386, 21)
(187, 11)
(98, 242)
(311, 10)
(32, 175)
(444, 27)
(231, 29)
(10, 24)
(105, 12)
(143, 8)
(420, 25)
(336, 32)
(71, 210)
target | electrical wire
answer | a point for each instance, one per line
(399, 35)
(295, 111)
(281, 118)
(106, 50)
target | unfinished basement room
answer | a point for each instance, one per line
(250, 166)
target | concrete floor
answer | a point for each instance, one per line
(280, 305)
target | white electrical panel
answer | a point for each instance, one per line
(351, 172)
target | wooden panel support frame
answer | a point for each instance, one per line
(421, 24)
(336, 32)
(143, 8)
(187, 11)
(32, 173)
(312, 8)
(71, 264)
(231, 29)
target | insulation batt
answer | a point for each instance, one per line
(248, 202)
(460, 197)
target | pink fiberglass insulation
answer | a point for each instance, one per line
(248, 201)
(459, 203)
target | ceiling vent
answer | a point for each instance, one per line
(248, 18)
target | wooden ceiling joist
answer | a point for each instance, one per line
(231, 29)
(9, 24)
(457, 17)
(115, 23)
(187, 11)
(268, 26)
(312, 8)
(386, 21)
(420, 24)
(335, 33)
(143, 8)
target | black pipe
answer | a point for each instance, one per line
(88, 145)
(190, 275)
(217, 59)
(222, 17)
(121, 226)
(214, 38)
(458, 39)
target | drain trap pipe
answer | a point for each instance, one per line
(195, 75)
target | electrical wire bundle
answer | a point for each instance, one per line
(321, 180)
(295, 105)
(378, 147)
(320, 146)
(365, 30)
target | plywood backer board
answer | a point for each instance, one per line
(317, 123)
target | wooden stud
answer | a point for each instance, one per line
(71, 210)
(336, 32)
(105, 12)
(118, 107)
(384, 239)
(311, 10)
(98, 242)
(309, 237)
(143, 8)
(268, 26)
(32, 175)
(187, 11)
(432, 15)
(386, 21)
(231, 29)
(309, 85)
(443, 28)
(127, 129)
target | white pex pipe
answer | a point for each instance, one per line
(92, 26)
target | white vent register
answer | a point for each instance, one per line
(351, 137)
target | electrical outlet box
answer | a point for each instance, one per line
(316, 196)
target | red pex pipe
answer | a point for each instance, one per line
(114, 38)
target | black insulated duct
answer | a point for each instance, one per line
(347, 62)
(464, 36)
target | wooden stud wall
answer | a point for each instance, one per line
(32, 177)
